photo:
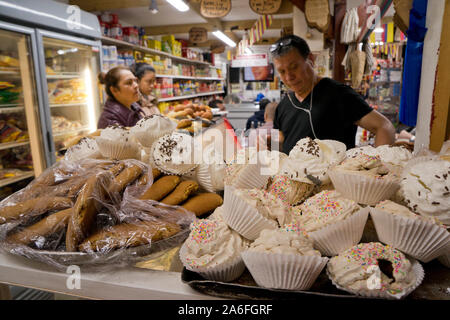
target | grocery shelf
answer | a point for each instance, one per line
(5, 182)
(107, 40)
(64, 75)
(67, 104)
(63, 133)
(190, 96)
(9, 71)
(187, 77)
(8, 108)
(9, 145)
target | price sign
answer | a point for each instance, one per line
(265, 6)
(215, 8)
(198, 35)
(317, 14)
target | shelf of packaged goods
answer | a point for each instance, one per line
(120, 43)
(9, 145)
(190, 96)
(5, 182)
(67, 104)
(63, 133)
(64, 75)
(9, 71)
(9, 108)
(188, 77)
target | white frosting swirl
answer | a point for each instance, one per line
(426, 189)
(86, 148)
(367, 165)
(116, 133)
(283, 241)
(397, 209)
(398, 156)
(211, 243)
(149, 129)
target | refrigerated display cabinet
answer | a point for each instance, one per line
(49, 94)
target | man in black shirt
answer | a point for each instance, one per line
(320, 107)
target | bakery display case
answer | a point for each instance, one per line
(73, 100)
(21, 153)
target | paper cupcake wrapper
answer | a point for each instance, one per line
(203, 176)
(118, 150)
(226, 272)
(250, 177)
(420, 239)
(171, 171)
(418, 272)
(445, 258)
(147, 138)
(283, 271)
(362, 189)
(340, 236)
(242, 217)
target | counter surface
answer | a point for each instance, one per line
(129, 283)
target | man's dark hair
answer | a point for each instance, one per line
(287, 43)
(263, 103)
(214, 103)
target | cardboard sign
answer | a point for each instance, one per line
(215, 8)
(198, 35)
(317, 13)
(265, 6)
(250, 60)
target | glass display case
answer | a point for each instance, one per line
(21, 149)
(71, 70)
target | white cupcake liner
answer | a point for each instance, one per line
(225, 272)
(118, 150)
(283, 271)
(363, 189)
(203, 176)
(342, 235)
(147, 138)
(171, 171)
(416, 268)
(445, 258)
(242, 217)
(420, 239)
(250, 177)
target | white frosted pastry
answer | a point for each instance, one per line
(426, 189)
(211, 243)
(312, 157)
(269, 206)
(174, 153)
(283, 241)
(115, 142)
(323, 209)
(366, 165)
(397, 209)
(116, 133)
(87, 148)
(211, 172)
(352, 269)
(398, 156)
(149, 129)
(290, 191)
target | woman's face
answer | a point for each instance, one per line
(127, 88)
(260, 73)
(147, 83)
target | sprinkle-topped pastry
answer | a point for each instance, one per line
(368, 165)
(86, 148)
(353, 268)
(211, 243)
(397, 209)
(149, 129)
(325, 208)
(290, 191)
(398, 156)
(174, 153)
(115, 142)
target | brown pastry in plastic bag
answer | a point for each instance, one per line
(184, 123)
(160, 188)
(129, 235)
(203, 203)
(45, 227)
(181, 193)
(156, 173)
(84, 212)
(127, 176)
(33, 206)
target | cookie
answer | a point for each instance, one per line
(203, 203)
(181, 192)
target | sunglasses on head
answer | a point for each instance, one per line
(275, 48)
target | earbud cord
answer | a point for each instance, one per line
(306, 110)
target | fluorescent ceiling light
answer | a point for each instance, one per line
(224, 38)
(179, 5)
(153, 7)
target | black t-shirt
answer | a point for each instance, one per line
(335, 109)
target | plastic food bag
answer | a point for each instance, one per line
(87, 213)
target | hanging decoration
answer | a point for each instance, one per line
(317, 13)
(257, 31)
(198, 35)
(350, 29)
(265, 6)
(215, 8)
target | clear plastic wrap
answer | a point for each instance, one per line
(89, 213)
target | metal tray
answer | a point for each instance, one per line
(436, 286)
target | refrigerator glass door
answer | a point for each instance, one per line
(71, 74)
(21, 148)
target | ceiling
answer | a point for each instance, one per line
(171, 21)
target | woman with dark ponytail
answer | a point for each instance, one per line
(123, 93)
(146, 76)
